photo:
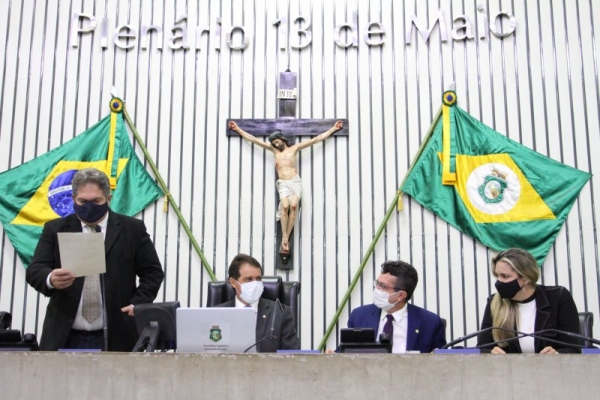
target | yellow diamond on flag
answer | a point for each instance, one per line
(494, 189)
(53, 197)
(490, 187)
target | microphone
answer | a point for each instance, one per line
(539, 335)
(569, 334)
(385, 338)
(277, 303)
(272, 335)
(262, 340)
(103, 292)
(471, 335)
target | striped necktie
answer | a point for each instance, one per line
(92, 302)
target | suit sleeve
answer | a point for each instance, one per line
(485, 340)
(43, 261)
(352, 319)
(568, 321)
(289, 337)
(439, 335)
(148, 268)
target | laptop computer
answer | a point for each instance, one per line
(216, 330)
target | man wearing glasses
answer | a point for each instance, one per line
(410, 327)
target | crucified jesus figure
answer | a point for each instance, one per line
(289, 184)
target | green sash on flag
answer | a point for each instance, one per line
(40, 190)
(491, 187)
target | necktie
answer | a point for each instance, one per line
(91, 308)
(388, 327)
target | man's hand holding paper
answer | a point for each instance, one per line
(61, 278)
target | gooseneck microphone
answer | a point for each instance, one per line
(520, 335)
(540, 335)
(277, 303)
(103, 292)
(570, 334)
(471, 335)
(272, 335)
(262, 340)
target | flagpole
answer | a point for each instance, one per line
(371, 248)
(167, 193)
(422, 148)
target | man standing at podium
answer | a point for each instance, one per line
(274, 322)
(410, 327)
(74, 314)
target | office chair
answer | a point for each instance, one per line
(275, 288)
(586, 323)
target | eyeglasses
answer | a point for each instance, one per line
(385, 287)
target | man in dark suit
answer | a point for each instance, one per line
(74, 314)
(245, 276)
(412, 328)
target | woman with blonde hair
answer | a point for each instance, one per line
(524, 306)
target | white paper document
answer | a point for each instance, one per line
(82, 253)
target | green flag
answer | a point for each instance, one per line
(40, 190)
(491, 187)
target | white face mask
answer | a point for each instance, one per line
(251, 291)
(381, 299)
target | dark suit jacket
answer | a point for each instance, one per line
(284, 329)
(425, 330)
(129, 253)
(555, 309)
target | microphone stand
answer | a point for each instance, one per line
(103, 294)
(571, 334)
(520, 335)
(104, 322)
(472, 335)
(537, 335)
(272, 335)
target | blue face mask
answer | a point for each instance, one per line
(90, 212)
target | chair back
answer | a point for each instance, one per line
(5, 320)
(287, 292)
(586, 324)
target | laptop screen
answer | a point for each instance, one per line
(216, 330)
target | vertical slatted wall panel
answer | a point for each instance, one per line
(539, 86)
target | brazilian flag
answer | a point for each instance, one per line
(40, 190)
(491, 187)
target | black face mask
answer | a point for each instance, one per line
(90, 212)
(508, 290)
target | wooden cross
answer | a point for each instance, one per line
(291, 128)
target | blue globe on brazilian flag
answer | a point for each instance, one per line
(491, 187)
(40, 190)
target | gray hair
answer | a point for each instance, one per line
(90, 175)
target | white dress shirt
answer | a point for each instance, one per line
(400, 324)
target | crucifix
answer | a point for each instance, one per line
(280, 133)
